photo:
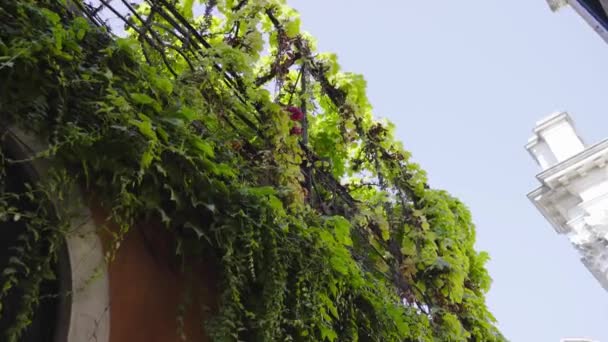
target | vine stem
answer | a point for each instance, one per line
(303, 108)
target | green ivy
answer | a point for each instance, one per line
(328, 235)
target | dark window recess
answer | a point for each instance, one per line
(597, 11)
(45, 316)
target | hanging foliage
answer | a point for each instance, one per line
(221, 120)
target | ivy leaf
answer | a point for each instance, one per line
(80, 26)
(225, 170)
(146, 159)
(48, 274)
(276, 204)
(128, 45)
(341, 230)
(330, 305)
(51, 16)
(408, 247)
(442, 264)
(186, 8)
(9, 271)
(162, 134)
(339, 264)
(197, 230)
(259, 191)
(203, 147)
(173, 195)
(145, 128)
(162, 84)
(425, 225)
(292, 28)
(164, 217)
(211, 207)
(188, 113)
(142, 98)
(328, 334)
(7, 64)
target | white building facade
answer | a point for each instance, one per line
(573, 191)
(594, 12)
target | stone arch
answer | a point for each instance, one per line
(83, 311)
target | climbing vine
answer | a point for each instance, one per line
(222, 121)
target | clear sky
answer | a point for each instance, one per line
(465, 81)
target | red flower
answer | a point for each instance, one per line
(296, 130)
(296, 113)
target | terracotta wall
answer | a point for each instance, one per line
(147, 288)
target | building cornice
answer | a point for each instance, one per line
(592, 154)
(590, 18)
(548, 210)
(551, 120)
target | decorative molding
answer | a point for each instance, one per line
(591, 153)
(572, 194)
(537, 197)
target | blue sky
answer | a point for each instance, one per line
(465, 81)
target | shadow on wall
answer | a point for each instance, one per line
(147, 288)
(43, 325)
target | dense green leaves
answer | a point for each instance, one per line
(330, 234)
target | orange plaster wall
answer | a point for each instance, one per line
(145, 291)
